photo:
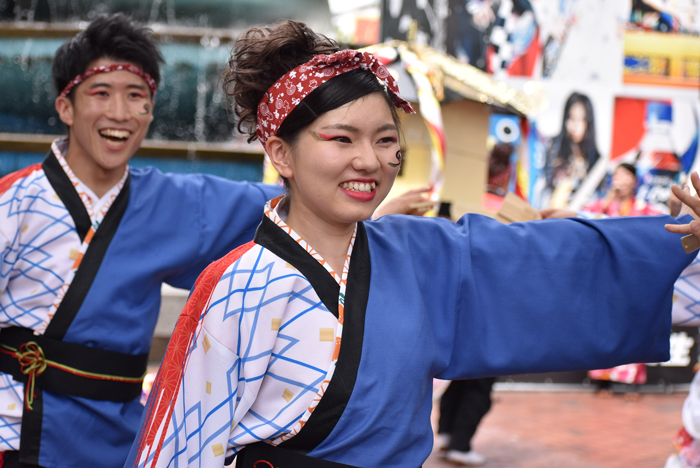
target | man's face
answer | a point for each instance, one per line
(108, 118)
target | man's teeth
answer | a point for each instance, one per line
(119, 134)
(359, 186)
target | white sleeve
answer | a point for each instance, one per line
(5, 265)
(686, 296)
(691, 409)
(214, 393)
(256, 358)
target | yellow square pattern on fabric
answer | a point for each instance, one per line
(73, 254)
(289, 265)
(218, 449)
(287, 395)
(208, 388)
(55, 195)
(12, 406)
(206, 344)
(326, 334)
(24, 229)
(276, 324)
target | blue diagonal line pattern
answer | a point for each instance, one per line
(241, 304)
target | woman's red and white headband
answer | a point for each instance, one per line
(287, 92)
(110, 68)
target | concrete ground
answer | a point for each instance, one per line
(575, 430)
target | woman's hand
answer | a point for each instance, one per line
(691, 206)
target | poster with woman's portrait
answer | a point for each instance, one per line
(571, 158)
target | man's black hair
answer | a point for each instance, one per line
(116, 37)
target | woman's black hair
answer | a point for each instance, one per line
(629, 167)
(587, 145)
(117, 37)
(261, 56)
(332, 94)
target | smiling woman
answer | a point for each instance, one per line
(316, 344)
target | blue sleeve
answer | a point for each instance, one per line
(228, 213)
(553, 295)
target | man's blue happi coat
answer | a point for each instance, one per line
(172, 228)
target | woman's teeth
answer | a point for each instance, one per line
(365, 187)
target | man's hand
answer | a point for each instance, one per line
(550, 213)
(414, 202)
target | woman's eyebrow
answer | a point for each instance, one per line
(386, 127)
(341, 126)
(350, 128)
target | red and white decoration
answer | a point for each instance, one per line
(110, 68)
(288, 91)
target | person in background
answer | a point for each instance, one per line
(620, 199)
(573, 152)
(462, 407)
(500, 170)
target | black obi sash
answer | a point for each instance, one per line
(70, 368)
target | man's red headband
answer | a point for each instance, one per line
(110, 68)
(282, 97)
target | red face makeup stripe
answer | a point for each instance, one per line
(323, 137)
(319, 136)
(283, 97)
(110, 68)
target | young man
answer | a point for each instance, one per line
(85, 244)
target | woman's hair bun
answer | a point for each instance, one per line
(260, 57)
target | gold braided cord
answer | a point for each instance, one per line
(33, 363)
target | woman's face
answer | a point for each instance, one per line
(623, 182)
(576, 125)
(345, 162)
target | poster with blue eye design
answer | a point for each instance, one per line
(504, 128)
